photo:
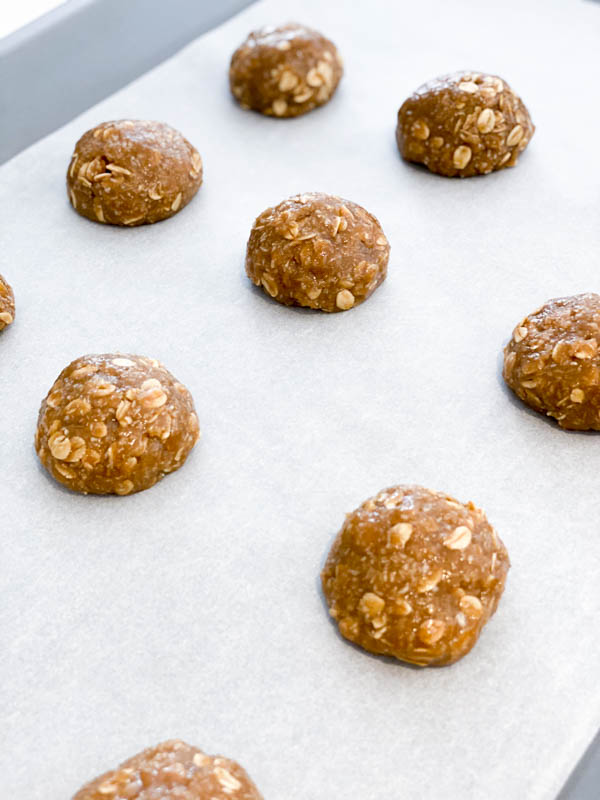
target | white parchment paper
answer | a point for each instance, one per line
(193, 609)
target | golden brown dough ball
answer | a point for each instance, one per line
(319, 251)
(552, 361)
(172, 770)
(285, 71)
(415, 574)
(115, 424)
(464, 124)
(132, 172)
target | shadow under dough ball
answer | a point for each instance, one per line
(552, 361)
(115, 424)
(285, 71)
(319, 251)
(172, 770)
(414, 574)
(7, 304)
(464, 124)
(132, 172)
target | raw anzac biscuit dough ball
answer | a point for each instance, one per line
(319, 251)
(172, 771)
(464, 124)
(285, 71)
(7, 304)
(415, 574)
(552, 361)
(115, 424)
(132, 172)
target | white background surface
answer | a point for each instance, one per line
(16, 14)
(193, 609)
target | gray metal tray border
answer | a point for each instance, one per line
(84, 50)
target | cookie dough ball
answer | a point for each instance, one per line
(464, 124)
(172, 770)
(319, 251)
(285, 71)
(115, 424)
(552, 361)
(7, 304)
(415, 574)
(132, 172)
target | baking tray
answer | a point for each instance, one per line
(194, 609)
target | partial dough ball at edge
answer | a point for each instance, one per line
(552, 361)
(173, 768)
(7, 304)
